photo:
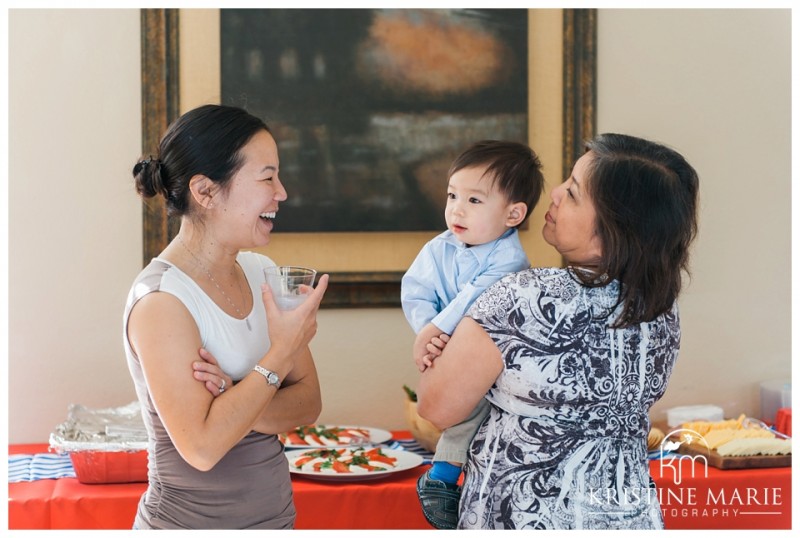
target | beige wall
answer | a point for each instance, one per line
(74, 218)
(714, 84)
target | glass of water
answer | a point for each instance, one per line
(290, 284)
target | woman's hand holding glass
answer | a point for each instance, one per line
(290, 331)
(290, 284)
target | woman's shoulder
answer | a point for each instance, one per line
(536, 281)
(160, 275)
(541, 277)
(155, 275)
(560, 284)
(549, 272)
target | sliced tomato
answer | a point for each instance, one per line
(295, 439)
(313, 439)
(376, 455)
(299, 462)
(341, 467)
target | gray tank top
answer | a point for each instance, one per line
(250, 487)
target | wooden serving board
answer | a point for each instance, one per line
(736, 462)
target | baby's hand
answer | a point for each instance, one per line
(422, 362)
(432, 350)
(436, 346)
(428, 345)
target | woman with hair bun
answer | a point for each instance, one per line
(571, 359)
(214, 457)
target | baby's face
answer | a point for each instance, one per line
(476, 211)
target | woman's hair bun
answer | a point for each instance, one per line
(148, 174)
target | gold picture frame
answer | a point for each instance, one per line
(366, 268)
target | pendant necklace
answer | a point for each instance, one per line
(213, 280)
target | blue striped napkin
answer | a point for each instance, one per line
(410, 445)
(28, 467)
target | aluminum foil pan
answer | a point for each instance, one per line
(117, 429)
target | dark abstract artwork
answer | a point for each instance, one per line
(369, 106)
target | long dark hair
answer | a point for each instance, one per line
(206, 140)
(645, 195)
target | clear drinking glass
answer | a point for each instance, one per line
(290, 284)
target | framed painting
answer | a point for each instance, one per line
(370, 106)
(367, 124)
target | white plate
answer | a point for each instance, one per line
(376, 436)
(405, 460)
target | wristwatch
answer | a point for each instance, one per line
(271, 377)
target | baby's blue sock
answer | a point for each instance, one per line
(446, 472)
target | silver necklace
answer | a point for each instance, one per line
(214, 281)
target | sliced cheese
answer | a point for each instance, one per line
(755, 446)
(716, 438)
(703, 426)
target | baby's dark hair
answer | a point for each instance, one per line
(206, 140)
(514, 168)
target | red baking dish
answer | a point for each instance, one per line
(106, 446)
(99, 467)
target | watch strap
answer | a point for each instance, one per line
(271, 377)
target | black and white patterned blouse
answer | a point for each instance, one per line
(565, 445)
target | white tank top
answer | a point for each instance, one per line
(250, 487)
(237, 344)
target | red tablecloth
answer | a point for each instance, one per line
(692, 497)
(389, 503)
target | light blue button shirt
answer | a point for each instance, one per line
(447, 277)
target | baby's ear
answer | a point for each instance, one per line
(516, 214)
